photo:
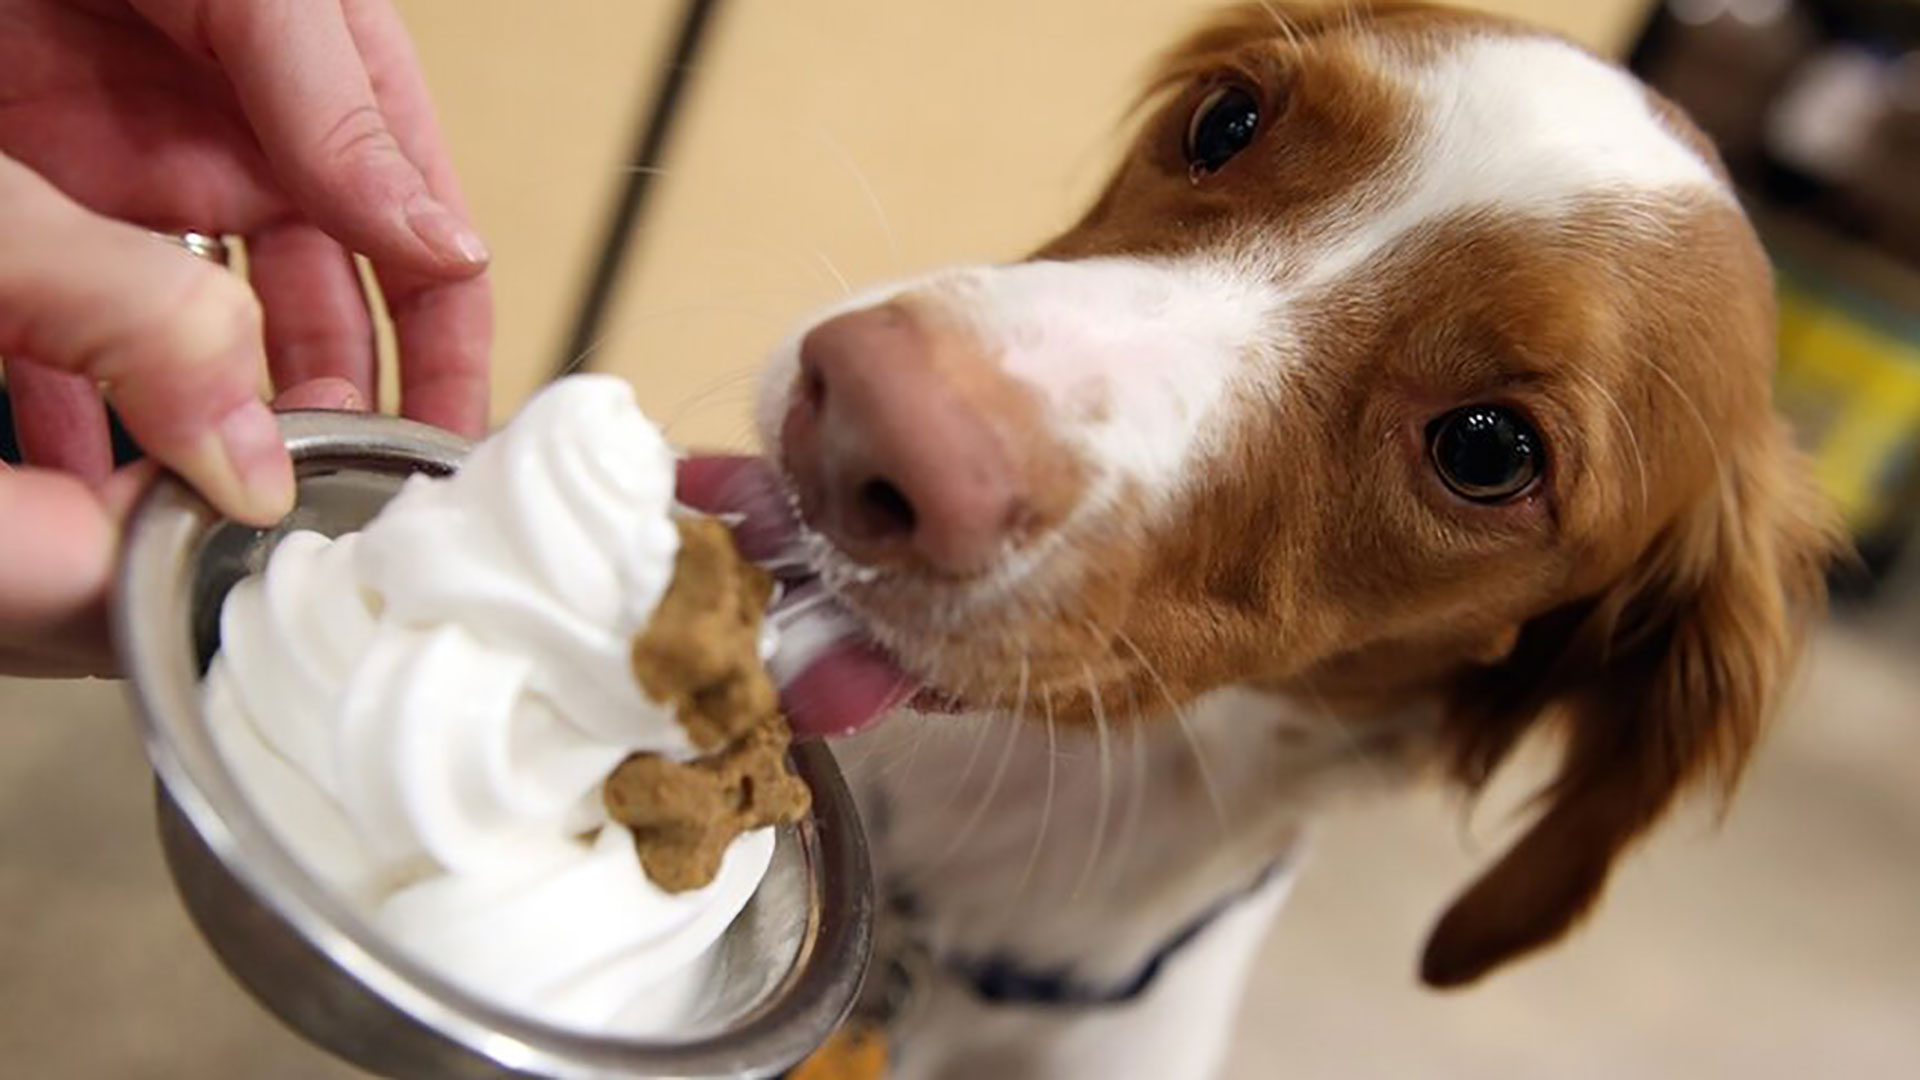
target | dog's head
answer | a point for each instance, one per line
(1408, 356)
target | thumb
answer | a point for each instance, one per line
(54, 576)
(175, 341)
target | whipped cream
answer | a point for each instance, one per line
(424, 712)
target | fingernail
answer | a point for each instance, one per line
(258, 474)
(449, 237)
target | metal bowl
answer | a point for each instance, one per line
(789, 967)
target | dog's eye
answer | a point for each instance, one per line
(1221, 127)
(1486, 453)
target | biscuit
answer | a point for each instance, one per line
(700, 655)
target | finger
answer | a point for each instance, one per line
(300, 79)
(59, 420)
(327, 393)
(317, 320)
(175, 340)
(53, 576)
(443, 334)
(393, 66)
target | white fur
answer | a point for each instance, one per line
(1131, 357)
(1522, 126)
(995, 825)
(1016, 831)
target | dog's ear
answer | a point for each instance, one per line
(1664, 679)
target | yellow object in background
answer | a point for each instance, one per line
(854, 1053)
(1853, 388)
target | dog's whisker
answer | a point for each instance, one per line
(1202, 768)
(1284, 24)
(1354, 746)
(1612, 402)
(903, 759)
(1137, 774)
(973, 756)
(772, 318)
(869, 763)
(826, 263)
(887, 758)
(1136, 779)
(994, 782)
(1103, 803)
(745, 439)
(923, 732)
(580, 361)
(1187, 732)
(728, 383)
(1699, 418)
(855, 768)
(784, 245)
(963, 689)
(901, 767)
(1046, 802)
(872, 197)
(730, 400)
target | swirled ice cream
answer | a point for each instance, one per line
(428, 712)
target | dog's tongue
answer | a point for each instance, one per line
(843, 690)
(833, 681)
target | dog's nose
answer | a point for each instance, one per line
(893, 447)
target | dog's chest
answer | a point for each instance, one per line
(1084, 851)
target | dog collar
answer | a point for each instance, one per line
(863, 1047)
(1001, 980)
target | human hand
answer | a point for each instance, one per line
(301, 125)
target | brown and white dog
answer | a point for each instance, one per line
(1405, 391)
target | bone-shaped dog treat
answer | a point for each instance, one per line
(701, 654)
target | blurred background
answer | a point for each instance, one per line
(817, 144)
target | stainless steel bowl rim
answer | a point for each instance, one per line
(152, 594)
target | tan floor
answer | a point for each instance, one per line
(1787, 946)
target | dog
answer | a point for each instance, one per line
(1403, 394)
